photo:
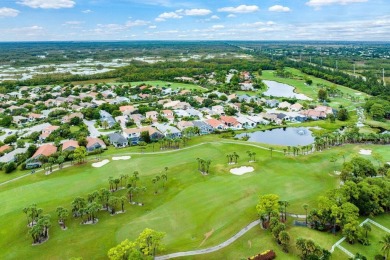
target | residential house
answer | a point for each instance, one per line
(107, 117)
(246, 122)
(313, 114)
(134, 134)
(33, 117)
(69, 145)
(296, 107)
(127, 110)
(11, 156)
(44, 150)
(5, 148)
(168, 131)
(168, 114)
(66, 119)
(325, 109)
(272, 103)
(203, 127)
(19, 120)
(118, 140)
(47, 131)
(231, 122)
(184, 124)
(219, 110)
(216, 124)
(95, 143)
(153, 115)
(284, 105)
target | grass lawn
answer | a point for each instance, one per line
(173, 85)
(190, 206)
(374, 236)
(74, 128)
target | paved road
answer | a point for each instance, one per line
(214, 248)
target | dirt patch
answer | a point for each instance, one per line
(206, 236)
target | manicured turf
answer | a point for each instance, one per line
(172, 85)
(190, 206)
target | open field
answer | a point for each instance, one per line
(190, 206)
(172, 85)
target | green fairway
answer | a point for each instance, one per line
(190, 206)
(172, 85)
(311, 91)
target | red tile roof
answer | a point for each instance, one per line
(46, 150)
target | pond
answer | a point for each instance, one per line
(291, 136)
(277, 89)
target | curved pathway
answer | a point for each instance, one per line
(214, 248)
(223, 244)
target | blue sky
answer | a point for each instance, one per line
(47, 20)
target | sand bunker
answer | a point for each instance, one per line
(242, 170)
(121, 158)
(357, 93)
(100, 164)
(365, 152)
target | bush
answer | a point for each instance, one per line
(9, 167)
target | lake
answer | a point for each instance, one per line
(277, 89)
(290, 136)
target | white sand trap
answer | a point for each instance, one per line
(357, 93)
(337, 172)
(100, 164)
(242, 170)
(121, 158)
(365, 152)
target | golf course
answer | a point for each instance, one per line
(194, 210)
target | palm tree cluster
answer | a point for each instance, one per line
(297, 150)
(252, 156)
(171, 143)
(39, 224)
(350, 136)
(203, 165)
(232, 158)
(114, 183)
(157, 179)
(87, 209)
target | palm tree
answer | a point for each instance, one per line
(250, 155)
(111, 182)
(154, 181)
(367, 228)
(123, 199)
(208, 162)
(116, 181)
(305, 207)
(62, 213)
(164, 178)
(134, 179)
(386, 245)
(236, 156)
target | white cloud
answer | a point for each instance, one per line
(320, 3)
(279, 8)
(215, 17)
(218, 26)
(137, 23)
(168, 15)
(152, 27)
(8, 12)
(73, 23)
(231, 16)
(48, 4)
(87, 11)
(241, 9)
(196, 12)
